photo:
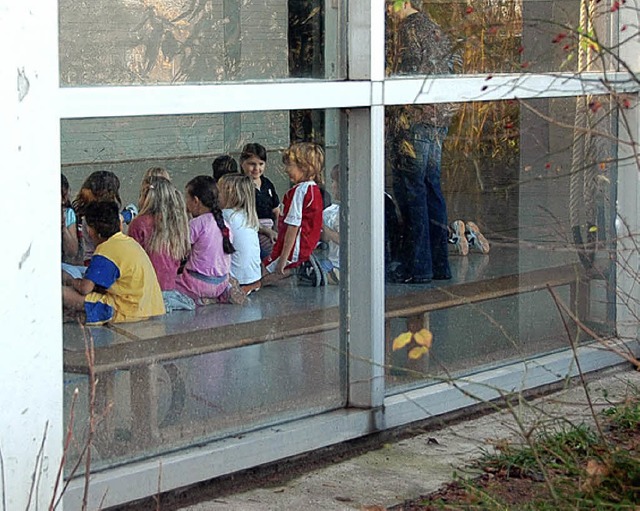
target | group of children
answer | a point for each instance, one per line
(226, 237)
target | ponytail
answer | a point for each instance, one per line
(204, 187)
(227, 246)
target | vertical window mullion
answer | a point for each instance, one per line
(365, 243)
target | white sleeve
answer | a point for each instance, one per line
(331, 217)
(294, 215)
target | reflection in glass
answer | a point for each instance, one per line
(537, 179)
(193, 376)
(125, 42)
(491, 36)
(161, 407)
(187, 144)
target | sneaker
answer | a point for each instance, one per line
(475, 238)
(311, 273)
(458, 237)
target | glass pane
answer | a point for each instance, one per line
(527, 201)
(497, 36)
(124, 42)
(222, 369)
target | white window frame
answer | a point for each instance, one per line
(362, 98)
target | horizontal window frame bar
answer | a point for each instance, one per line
(94, 102)
(490, 87)
(127, 101)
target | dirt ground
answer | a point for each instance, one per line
(513, 488)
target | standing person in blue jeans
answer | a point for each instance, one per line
(416, 45)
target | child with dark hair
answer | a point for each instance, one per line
(253, 161)
(68, 224)
(223, 165)
(120, 284)
(101, 185)
(206, 276)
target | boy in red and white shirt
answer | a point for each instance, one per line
(300, 224)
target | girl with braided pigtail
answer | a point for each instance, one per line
(206, 277)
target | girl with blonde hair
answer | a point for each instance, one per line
(162, 228)
(149, 174)
(237, 198)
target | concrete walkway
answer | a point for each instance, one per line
(420, 464)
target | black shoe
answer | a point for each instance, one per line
(442, 277)
(308, 274)
(399, 277)
(417, 280)
(311, 273)
(396, 276)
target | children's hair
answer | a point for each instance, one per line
(239, 195)
(64, 190)
(149, 174)
(171, 225)
(308, 156)
(103, 185)
(253, 149)
(204, 188)
(103, 217)
(156, 172)
(224, 165)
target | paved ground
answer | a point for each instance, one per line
(420, 464)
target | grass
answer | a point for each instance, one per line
(575, 467)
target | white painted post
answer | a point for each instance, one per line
(366, 212)
(628, 207)
(30, 319)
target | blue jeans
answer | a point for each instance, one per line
(416, 185)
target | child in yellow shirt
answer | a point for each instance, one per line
(120, 284)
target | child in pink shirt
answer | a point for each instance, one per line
(162, 228)
(206, 276)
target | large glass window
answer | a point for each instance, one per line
(517, 197)
(221, 369)
(527, 202)
(120, 42)
(498, 36)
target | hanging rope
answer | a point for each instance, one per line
(582, 188)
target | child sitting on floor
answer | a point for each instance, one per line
(162, 229)
(238, 200)
(101, 185)
(331, 230)
(69, 225)
(206, 277)
(120, 284)
(301, 222)
(253, 162)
